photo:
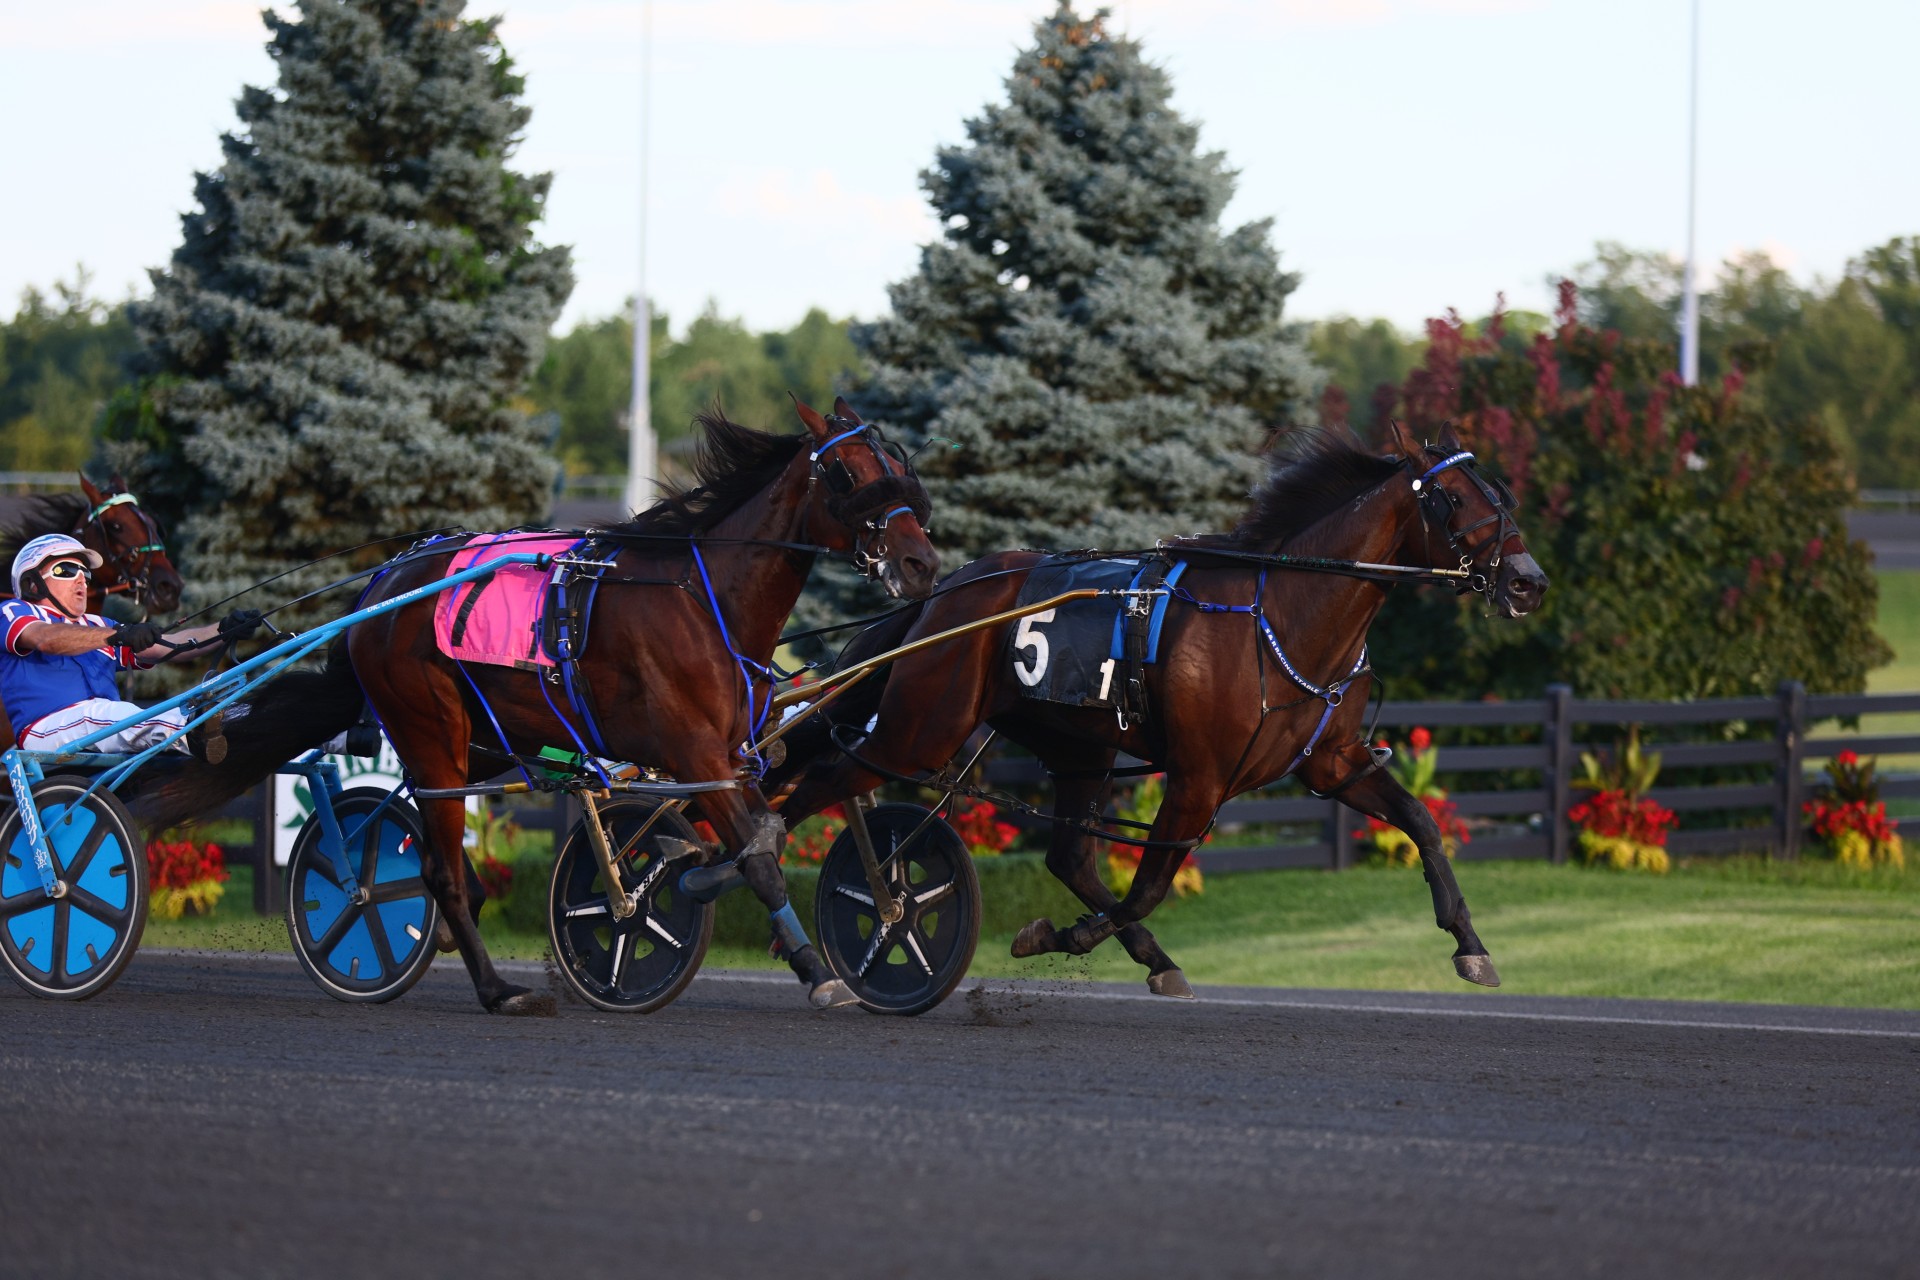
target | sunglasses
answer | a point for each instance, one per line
(66, 570)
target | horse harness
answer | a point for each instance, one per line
(567, 616)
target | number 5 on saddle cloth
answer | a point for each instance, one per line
(1093, 653)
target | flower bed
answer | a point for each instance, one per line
(184, 877)
(1621, 826)
(1849, 820)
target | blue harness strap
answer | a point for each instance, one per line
(568, 647)
(756, 719)
(1332, 694)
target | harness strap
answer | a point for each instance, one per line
(756, 720)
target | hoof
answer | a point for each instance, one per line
(1170, 983)
(1034, 940)
(520, 1003)
(443, 939)
(1478, 970)
(705, 884)
(831, 994)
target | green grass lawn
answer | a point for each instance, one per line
(1739, 930)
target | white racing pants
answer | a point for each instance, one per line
(57, 728)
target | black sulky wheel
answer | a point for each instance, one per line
(370, 947)
(640, 963)
(72, 946)
(911, 965)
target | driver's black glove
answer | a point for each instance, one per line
(137, 636)
(241, 623)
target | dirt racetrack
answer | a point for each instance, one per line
(217, 1115)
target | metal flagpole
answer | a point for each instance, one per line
(642, 455)
(1690, 293)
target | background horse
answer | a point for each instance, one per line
(694, 600)
(113, 523)
(1229, 713)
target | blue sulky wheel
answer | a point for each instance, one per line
(368, 947)
(911, 965)
(639, 963)
(75, 945)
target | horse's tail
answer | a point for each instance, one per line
(812, 738)
(292, 714)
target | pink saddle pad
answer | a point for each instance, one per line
(498, 617)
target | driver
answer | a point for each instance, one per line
(58, 661)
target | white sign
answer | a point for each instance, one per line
(293, 803)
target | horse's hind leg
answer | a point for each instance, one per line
(429, 728)
(1380, 795)
(1072, 857)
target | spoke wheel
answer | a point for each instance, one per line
(72, 947)
(371, 949)
(913, 964)
(641, 963)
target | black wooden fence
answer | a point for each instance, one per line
(1528, 822)
(1531, 822)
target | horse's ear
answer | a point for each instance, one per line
(841, 409)
(1449, 438)
(118, 482)
(94, 496)
(815, 423)
(1399, 438)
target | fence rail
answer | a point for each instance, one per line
(1760, 816)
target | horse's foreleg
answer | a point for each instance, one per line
(1379, 795)
(756, 834)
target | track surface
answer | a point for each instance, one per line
(218, 1116)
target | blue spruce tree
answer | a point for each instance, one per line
(1107, 357)
(338, 349)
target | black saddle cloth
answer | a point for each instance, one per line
(1077, 653)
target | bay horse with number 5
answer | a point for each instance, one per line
(1232, 698)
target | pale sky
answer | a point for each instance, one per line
(1413, 154)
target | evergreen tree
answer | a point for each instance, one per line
(337, 351)
(1104, 354)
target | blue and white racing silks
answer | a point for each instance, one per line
(35, 684)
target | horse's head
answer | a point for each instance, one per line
(864, 498)
(1467, 523)
(129, 543)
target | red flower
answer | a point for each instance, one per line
(1846, 759)
(1419, 740)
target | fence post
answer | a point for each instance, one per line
(268, 894)
(1790, 732)
(1340, 821)
(1558, 734)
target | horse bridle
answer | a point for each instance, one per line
(1438, 504)
(865, 509)
(133, 565)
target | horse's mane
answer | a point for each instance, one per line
(1316, 474)
(42, 513)
(731, 465)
